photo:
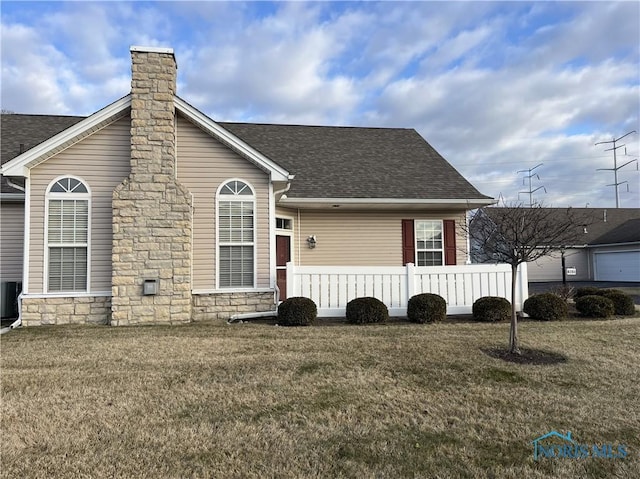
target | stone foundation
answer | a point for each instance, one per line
(75, 310)
(224, 305)
(97, 309)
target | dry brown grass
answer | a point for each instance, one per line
(254, 401)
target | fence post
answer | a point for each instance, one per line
(411, 280)
(291, 278)
(522, 288)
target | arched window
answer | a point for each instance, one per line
(236, 235)
(67, 236)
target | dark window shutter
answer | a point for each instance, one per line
(408, 242)
(449, 242)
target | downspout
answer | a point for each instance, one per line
(265, 314)
(13, 185)
(281, 192)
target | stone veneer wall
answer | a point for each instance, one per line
(152, 217)
(77, 310)
(224, 305)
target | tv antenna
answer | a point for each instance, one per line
(615, 164)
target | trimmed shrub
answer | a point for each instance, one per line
(595, 306)
(366, 310)
(491, 309)
(622, 303)
(426, 308)
(297, 311)
(545, 307)
(587, 291)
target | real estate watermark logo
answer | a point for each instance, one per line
(556, 445)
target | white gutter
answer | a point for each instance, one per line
(12, 196)
(390, 200)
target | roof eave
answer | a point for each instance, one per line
(20, 165)
(386, 203)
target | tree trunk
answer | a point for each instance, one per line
(513, 333)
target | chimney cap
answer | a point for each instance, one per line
(151, 49)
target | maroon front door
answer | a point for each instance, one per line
(283, 255)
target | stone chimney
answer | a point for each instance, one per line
(152, 217)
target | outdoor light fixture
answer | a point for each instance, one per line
(150, 287)
(311, 241)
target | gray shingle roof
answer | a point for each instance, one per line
(599, 221)
(328, 162)
(627, 232)
(356, 162)
(29, 131)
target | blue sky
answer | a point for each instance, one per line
(494, 87)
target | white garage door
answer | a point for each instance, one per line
(622, 266)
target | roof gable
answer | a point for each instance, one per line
(20, 133)
(20, 165)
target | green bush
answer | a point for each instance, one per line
(297, 311)
(366, 310)
(593, 291)
(622, 303)
(546, 307)
(587, 291)
(426, 308)
(595, 306)
(491, 309)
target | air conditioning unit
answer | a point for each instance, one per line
(9, 291)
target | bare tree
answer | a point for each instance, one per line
(518, 234)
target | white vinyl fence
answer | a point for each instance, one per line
(332, 287)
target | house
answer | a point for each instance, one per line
(607, 249)
(150, 211)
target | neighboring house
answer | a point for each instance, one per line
(608, 249)
(616, 254)
(19, 133)
(150, 211)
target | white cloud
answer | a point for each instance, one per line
(495, 87)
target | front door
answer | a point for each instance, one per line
(283, 256)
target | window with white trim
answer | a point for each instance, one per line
(429, 243)
(67, 235)
(236, 235)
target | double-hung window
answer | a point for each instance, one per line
(236, 235)
(67, 235)
(429, 243)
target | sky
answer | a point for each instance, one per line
(495, 87)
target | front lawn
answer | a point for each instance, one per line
(255, 400)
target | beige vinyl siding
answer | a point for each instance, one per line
(356, 238)
(11, 240)
(102, 162)
(203, 165)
